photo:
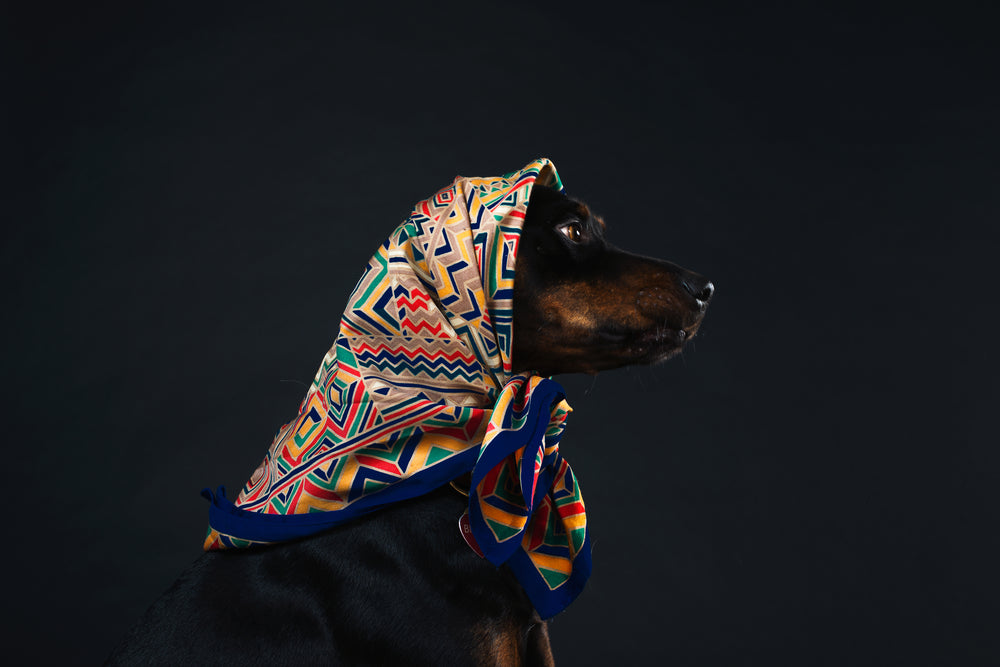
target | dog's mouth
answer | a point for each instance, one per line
(648, 345)
(648, 337)
(612, 345)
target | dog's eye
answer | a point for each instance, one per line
(572, 231)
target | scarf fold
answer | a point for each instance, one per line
(417, 390)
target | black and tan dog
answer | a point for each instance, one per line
(400, 586)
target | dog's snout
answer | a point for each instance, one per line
(698, 287)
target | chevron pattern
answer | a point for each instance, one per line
(417, 390)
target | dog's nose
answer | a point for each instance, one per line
(698, 287)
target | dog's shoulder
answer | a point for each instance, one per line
(388, 588)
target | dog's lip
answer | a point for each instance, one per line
(610, 336)
(664, 335)
(656, 335)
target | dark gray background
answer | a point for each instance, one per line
(194, 193)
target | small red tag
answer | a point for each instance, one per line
(466, 530)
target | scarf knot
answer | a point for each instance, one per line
(525, 505)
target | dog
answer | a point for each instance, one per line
(400, 586)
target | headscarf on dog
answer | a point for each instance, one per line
(417, 390)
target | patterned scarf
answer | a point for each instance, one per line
(417, 390)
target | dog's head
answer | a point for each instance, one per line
(582, 305)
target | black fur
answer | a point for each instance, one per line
(397, 587)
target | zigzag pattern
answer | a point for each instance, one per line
(418, 385)
(405, 360)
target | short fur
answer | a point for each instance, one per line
(400, 586)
